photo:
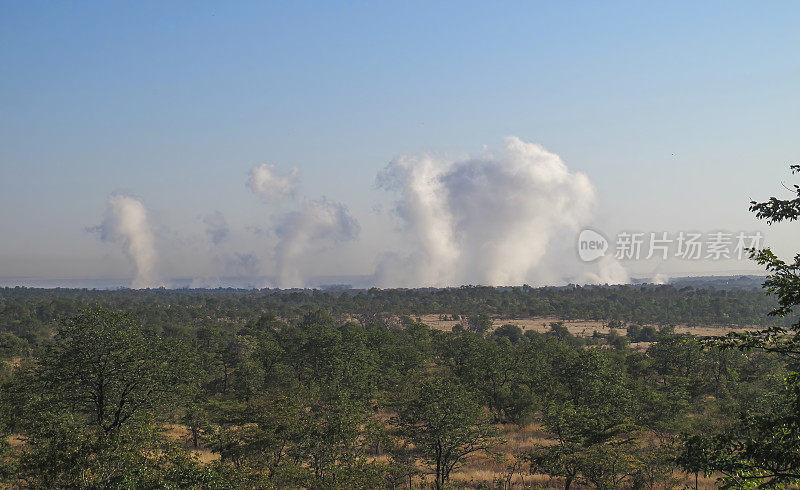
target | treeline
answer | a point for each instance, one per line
(31, 314)
(318, 402)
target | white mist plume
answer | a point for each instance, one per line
(315, 226)
(660, 279)
(307, 227)
(227, 263)
(488, 220)
(217, 228)
(609, 271)
(126, 223)
(267, 182)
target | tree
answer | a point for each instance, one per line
(262, 439)
(480, 323)
(591, 417)
(93, 396)
(763, 449)
(494, 369)
(445, 424)
(510, 331)
(106, 366)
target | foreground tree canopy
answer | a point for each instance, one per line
(764, 448)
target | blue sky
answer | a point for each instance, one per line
(679, 113)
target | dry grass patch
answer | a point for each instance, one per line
(580, 328)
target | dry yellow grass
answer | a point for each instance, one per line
(15, 440)
(479, 468)
(523, 439)
(180, 433)
(583, 328)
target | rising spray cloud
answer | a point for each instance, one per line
(314, 226)
(303, 226)
(487, 220)
(126, 223)
(228, 264)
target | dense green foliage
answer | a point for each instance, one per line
(32, 314)
(287, 389)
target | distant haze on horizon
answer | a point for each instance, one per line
(398, 145)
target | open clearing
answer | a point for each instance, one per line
(581, 328)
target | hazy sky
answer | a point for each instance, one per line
(678, 113)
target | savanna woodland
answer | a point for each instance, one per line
(636, 386)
